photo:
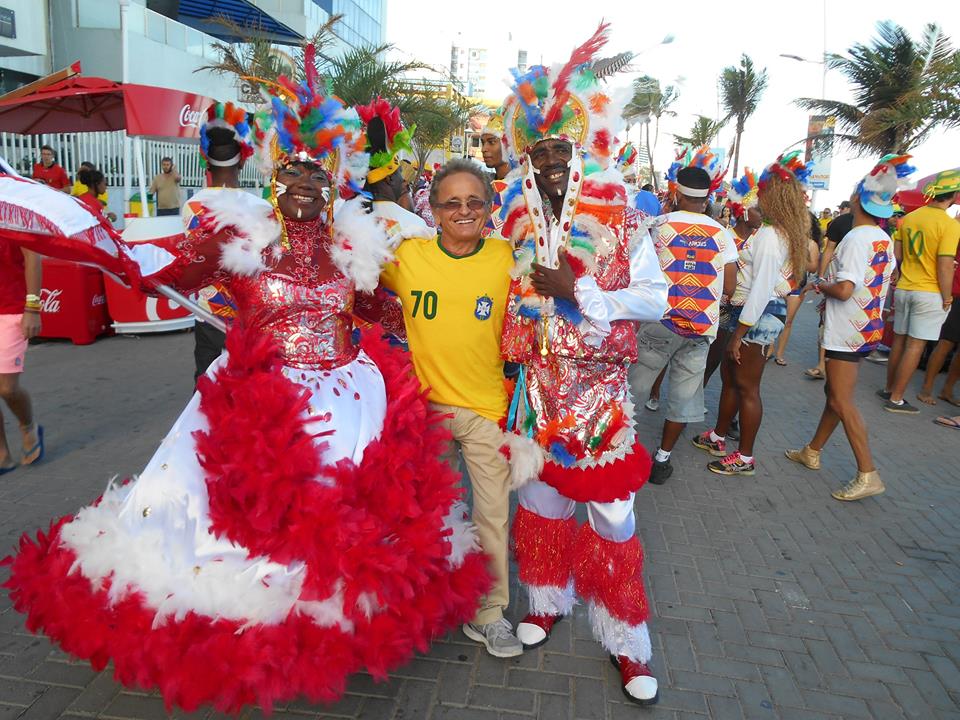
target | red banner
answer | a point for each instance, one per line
(162, 112)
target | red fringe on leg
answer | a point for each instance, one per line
(400, 491)
(542, 548)
(601, 483)
(611, 574)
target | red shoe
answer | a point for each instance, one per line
(534, 630)
(638, 682)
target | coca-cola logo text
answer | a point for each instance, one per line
(50, 300)
(190, 117)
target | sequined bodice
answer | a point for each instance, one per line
(311, 323)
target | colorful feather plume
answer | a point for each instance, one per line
(877, 189)
(742, 194)
(229, 117)
(395, 138)
(787, 167)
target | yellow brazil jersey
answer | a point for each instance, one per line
(925, 235)
(453, 308)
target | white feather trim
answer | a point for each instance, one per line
(551, 599)
(255, 224)
(526, 459)
(618, 637)
(463, 538)
(360, 245)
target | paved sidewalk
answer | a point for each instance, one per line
(772, 600)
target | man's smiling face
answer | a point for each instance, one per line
(551, 158)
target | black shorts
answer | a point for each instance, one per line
(950, 330)
(844, 355)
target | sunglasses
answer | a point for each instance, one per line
(475, 204)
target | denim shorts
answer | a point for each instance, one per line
(766, 330)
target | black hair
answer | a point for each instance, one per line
(815, 232)
(91, 178)
(86, 164)
(648, 187)
(222, 145)
(945, 196)
(165, 159)
(460, 166)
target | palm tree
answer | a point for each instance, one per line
(902, 90)
(649, 101)
(703, 131)
(740, 91)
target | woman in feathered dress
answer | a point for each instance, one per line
(296, 525)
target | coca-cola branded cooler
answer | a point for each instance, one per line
(131, 310)
(72, 302)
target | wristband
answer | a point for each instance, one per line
(31, 298)
(34, 310)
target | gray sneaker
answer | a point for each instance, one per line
(497, 637)
(904, 408)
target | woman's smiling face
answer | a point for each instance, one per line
(306, 191)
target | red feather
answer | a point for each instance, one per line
(581, 55)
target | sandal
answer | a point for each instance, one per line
(780, 361)
(950, 422)
(38, 448)
(814, 373)
(8, 469)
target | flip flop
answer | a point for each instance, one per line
(39, 446)
(781, 362)
(947, 422)
(949, 400)
(813, 373)
(5, 470)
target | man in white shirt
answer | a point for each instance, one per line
(699, 258)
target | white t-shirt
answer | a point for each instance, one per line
(764, 272)
(865, 258)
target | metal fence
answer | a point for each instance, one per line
(105, 151)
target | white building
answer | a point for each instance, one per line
(469, 67)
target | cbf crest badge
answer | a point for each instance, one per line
(484, 308)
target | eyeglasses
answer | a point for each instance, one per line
(475, 204)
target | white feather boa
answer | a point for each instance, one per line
(526, 459)
(255, 224)
(360, 245)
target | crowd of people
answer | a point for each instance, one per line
(292, 530)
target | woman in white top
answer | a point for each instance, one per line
(769, 263)
(855, 285)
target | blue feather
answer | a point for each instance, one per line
(562, 457)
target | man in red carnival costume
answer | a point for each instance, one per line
(585, 272)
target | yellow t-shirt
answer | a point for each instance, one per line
(79, 189)
(453, 308)
(925, 234)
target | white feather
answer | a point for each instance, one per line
(618, 637)
(526, 459)
(463, 538)
(360, 245)
(255, 225)
(551, 599)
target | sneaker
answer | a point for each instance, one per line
(637, 681)
(877, 357)
(903, 408)
(732, 464)
(865, 484)
(810, 459)
(534, 630)
(883, 394)
(497, 636)
(652, 404)
(717, 448)
(660, 472)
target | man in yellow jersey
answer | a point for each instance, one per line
(925, 246)
(453, 289)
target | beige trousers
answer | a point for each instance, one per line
(479, 440)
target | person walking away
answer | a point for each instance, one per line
(794, 300)
(49, 172)
(226, 141)
(96, 186)
(854, 289)
(925, 244)
(20, 283)
(166, 185)
(699, 258)
(453, 289)
(769, 265)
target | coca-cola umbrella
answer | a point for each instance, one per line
(92, 104)
(928, 187)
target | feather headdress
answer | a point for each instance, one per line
(386, 137)
(565, 102)
(742, 194)
(877, 189)
(701, 158)
(228, 117)
(787, 167)
(302, 124)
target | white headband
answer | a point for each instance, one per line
(693, 192)
(224, 163)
